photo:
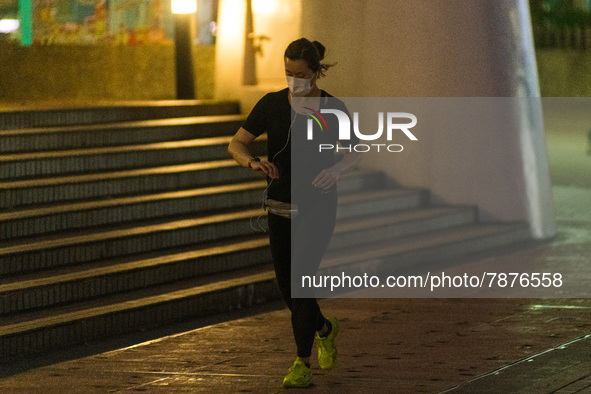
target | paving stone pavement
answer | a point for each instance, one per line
(386, 345)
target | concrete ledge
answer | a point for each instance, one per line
(74, 248)
(125, 133)
(33, 115)
(22, 193)
(53, 289)
(57, 331)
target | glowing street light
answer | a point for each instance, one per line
(9, 25)
(184, 6)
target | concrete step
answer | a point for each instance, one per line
(70, 249)
(80, 215)
(92, 160)
(50, 218)
(133, 312)
(72, 188)
(364, 230)
(90, 281)
(40, 290)
(117, 134)
(35, 253)
(35, 332)
(360, 179)
(380, 201)
(144, 220)
(64, 114)
(389, 258)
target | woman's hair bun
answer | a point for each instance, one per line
(320, 48)
(311, 52)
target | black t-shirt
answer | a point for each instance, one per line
(273, 115)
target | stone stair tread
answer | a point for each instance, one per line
(50, 209)
(206, 141)
(403, 216)
(65, 105)
(374, 251)
(53, 208)
(141, 256)
(378, 193)
(106, 150)
(145, 297)
(90, 177)
(138, 299)
(90, 270)
(125, 125)
(118, 224)
(90, 235)
(355, 224)
(81, 237)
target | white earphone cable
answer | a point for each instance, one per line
(260, 228)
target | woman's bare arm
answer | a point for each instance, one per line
(238, 148)
(327, 178)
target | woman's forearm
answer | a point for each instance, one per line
(349, 161)
(328, 177)
(240, 153)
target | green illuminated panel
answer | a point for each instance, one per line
(26, 22)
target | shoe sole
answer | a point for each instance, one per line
(296, 386)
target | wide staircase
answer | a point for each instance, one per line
(121, 218)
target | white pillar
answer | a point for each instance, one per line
(520, 49)
(448, 48)
(275, 23)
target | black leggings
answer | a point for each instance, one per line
(309, 233)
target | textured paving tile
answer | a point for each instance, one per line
(386, 345)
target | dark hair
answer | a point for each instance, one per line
(311, 52)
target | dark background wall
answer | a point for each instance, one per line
(97, 72)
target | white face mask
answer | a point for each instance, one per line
(299, 86)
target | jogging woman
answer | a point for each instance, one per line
(301, 196)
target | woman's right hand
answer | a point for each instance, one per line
(238, 148)
(266, 167)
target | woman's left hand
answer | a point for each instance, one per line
(326, 179)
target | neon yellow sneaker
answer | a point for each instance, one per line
(327, 351)
(298, 375)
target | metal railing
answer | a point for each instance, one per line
(564, 37)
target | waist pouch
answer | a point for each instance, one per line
(280, 208)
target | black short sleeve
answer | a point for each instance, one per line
(257, 121)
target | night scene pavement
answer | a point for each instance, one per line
(473, 345)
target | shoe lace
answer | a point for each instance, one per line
(296, 367)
